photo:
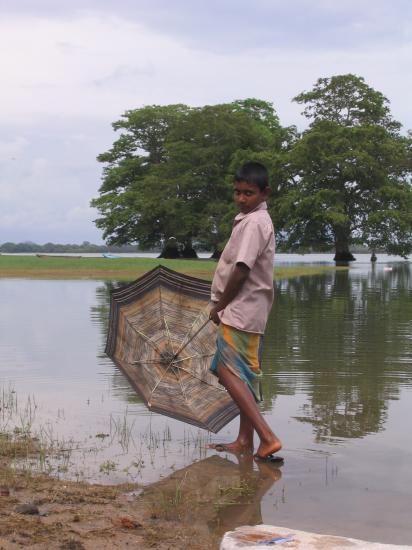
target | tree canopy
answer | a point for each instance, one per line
(351, 173)
(168, 174)
(344, 181)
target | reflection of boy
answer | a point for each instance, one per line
(246, 508)
(242, 293)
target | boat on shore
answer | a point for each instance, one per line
(110, 256)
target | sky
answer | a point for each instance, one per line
(69, 69)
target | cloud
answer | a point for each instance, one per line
(125, 74)
(45, 192)
(72, 68)
(98, 67)
(78, 214)
(239, 25)
(91, 66)
(10, 150)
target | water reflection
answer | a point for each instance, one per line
(216, 493)
(343, 339)
(99, 313)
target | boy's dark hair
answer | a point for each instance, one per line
(253, 172)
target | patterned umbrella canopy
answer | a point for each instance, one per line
(160, 337)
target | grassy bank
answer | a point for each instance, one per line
(124, 268)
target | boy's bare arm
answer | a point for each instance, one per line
(236, 280)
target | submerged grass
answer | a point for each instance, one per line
(126, 268)
(24, 448)
(32, 446)
(121, 430)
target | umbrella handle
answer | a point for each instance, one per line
(182, 347)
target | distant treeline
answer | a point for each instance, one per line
(85, 247)
(88, 248)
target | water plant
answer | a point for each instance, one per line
(122, 430)
(107, 467)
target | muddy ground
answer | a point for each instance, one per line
(192, 508)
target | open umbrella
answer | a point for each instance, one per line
(161, 338)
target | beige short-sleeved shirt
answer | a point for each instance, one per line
(252, 242)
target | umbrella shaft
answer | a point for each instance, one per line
(182, 347)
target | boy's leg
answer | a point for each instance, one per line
(243, 442)
(244, 399)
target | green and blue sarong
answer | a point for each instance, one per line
(240, 352)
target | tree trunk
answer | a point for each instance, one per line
(216, 254)
(170, 250)
(342, 253)
(189, 252)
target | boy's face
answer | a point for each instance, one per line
(248, 196)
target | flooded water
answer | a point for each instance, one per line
(337, 388)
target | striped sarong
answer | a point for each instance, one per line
(240, 352)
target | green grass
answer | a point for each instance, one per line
(123, 268)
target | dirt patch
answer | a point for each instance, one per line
(79, 516)
(191, 508)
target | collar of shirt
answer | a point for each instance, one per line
(240, 216)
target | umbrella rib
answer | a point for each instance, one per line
(174, 363)
(175, 360)
(168, 334)
(181, 385)
(147, 361)
(201, 379)
(192, 357)
(148, 340)
(171, 364)
(162, 376)
(190, 329)
(164, 320)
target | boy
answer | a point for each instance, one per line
(242, 294)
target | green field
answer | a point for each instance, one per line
(123, 268)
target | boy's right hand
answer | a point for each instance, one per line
(213, 316)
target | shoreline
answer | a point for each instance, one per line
(39, 511)
(128, 269)
(192, 507)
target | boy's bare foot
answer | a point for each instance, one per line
(267, 448)
(236, 447)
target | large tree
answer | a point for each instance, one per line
(129, 205)
(168, 176)
(351, 173)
